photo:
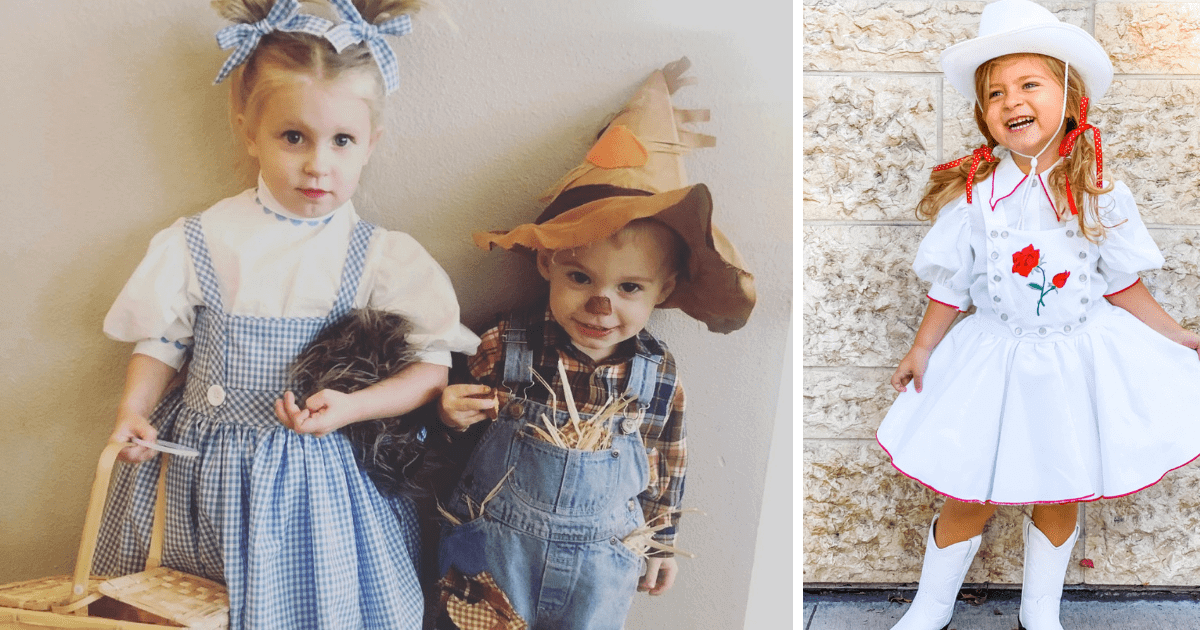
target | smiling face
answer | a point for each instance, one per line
(312, 138)
(603, 293)
(1022, 104)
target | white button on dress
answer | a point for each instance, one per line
(216, 395)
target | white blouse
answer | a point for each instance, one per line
(271, 263)
(951, 257)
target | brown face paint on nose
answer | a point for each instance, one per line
(597, 305)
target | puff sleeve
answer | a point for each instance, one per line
(1127, 247)
(945, 257)
(403, 278)
(155, 309)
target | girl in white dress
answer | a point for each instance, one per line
(275, 505)
(1069, 383)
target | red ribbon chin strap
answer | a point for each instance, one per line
(982, 154)
(1068, 145)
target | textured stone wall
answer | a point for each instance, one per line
(877, 117)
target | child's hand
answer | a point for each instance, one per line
(464, 405)
(326, 411)
(129, 426)
(911, 368)
(1187, 338)
(660, 575)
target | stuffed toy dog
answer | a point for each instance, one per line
(405, 455)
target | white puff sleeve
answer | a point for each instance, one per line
(155, 309)
(945, 257)
(403, 278)
(1126, 247)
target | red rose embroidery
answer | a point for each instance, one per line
(1028, 259)
(1025, 260)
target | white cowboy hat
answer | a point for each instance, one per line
(1021, 26)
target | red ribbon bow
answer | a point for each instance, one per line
(1068, 145)
(982, 154)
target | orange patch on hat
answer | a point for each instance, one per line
(618, 148)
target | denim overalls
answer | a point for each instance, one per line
(551, 537)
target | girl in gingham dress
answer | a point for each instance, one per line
(275, 505)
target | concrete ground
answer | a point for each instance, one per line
(997, 610)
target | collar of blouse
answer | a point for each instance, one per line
(1007, 179)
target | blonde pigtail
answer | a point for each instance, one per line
(947, 185)
(376, 11)
(1079, 170)
(243, 11)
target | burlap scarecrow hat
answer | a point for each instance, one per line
(635, 171)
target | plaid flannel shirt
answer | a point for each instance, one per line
(591, 384)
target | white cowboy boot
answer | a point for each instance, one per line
(942, 575)
(1045, 570)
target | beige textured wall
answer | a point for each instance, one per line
(111, 129)
(877, 117)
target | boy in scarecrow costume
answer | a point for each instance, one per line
(573, 489)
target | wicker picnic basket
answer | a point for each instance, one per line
(158, 597)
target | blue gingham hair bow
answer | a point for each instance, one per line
(284, 16)
(355, 29)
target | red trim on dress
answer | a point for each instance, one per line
(1085, 499)
(1047, 193)
(944, 304)
(1011, 193)
(892, 461)
(1156, 481)
(1131, 285)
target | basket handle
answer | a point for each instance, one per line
(154, 555)
(91, 523)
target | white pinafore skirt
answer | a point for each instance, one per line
(1042, 395)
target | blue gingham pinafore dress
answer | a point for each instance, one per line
(552, 536)
(289, 522)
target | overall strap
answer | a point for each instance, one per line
(202, 261)
(518, 358)
(356, 257)
(643, 378)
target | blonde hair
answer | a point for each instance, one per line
(1078, 168)
(280, 56)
